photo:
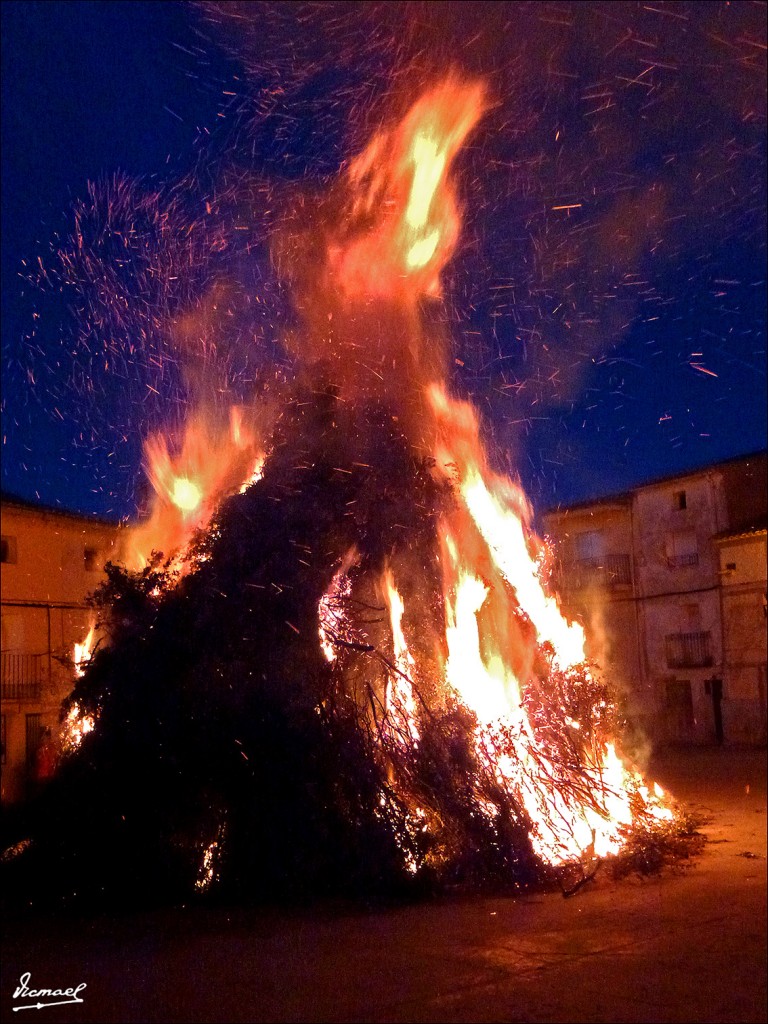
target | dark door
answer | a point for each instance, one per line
(716, 689)
(679, 710)
(34, 733)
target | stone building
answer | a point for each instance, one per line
(647, 572)
(51, 561)
(742, 556)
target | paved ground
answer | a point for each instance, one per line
(688, 946)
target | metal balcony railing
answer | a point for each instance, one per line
(21, 675)
(603, 571)
(689, 650)
(689, 558)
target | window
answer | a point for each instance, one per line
(680, 500)
(689, 650)
(8, 550)
(682, 548)
(91, 559)
(589, 544)
(691, 618)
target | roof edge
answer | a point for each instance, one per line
(15, 501)
(625, 496)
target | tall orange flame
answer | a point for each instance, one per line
(498, 618)
(404, 197)
(500, 622)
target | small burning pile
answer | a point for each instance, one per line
(348, 671)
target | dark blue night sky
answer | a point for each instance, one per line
(607, 304)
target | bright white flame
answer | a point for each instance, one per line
(429, 165)
(83, 653)
(421, 252)
(502, 530)
(400, 701)
(487, 687)
(186, 495)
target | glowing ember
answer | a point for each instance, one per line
(75, 728)
(331, 614)
(209, 865)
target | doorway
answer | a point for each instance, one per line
(679, 708)
(714, 687)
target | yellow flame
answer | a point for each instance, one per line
(404, 199)
(501, 624)
(429, 166)
(485, 685)
(256, 473)
(213, 462)
(422, 251)
(75, 728)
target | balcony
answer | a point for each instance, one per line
(21, 675)
(604, 571)
(689, 650)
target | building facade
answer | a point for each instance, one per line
(743, 607)
(678, 632)
(51, 562)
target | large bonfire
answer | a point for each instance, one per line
(346, 671)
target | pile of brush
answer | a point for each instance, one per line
(230, 757)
